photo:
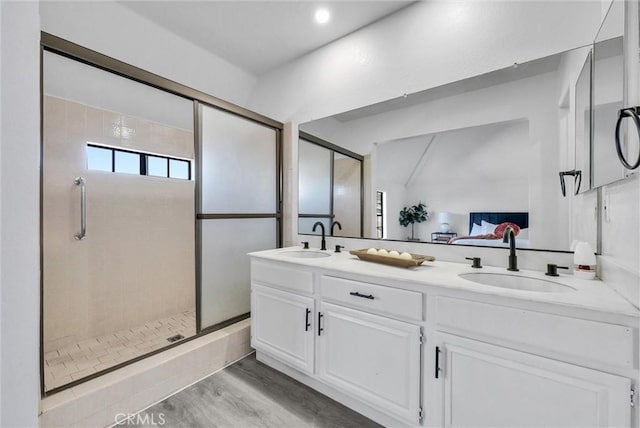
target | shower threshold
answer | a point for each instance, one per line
(89, 356)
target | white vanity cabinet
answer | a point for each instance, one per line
(282, 324)
(418, 348)
(483, 385)
(282, 314)
(374, 358)
(365, 346)
(506, 367)
(343, 334)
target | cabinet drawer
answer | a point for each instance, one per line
(282, 277)
(375, 298)
(572, 338)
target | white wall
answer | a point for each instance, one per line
(422, 46)
(19, 215)
(117, 31)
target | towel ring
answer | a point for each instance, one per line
(631, 112)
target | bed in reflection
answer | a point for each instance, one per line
(485, 229)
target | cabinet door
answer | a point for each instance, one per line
(282, 326)
(373, 358)
(486, 385)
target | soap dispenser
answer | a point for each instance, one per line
(584, 260)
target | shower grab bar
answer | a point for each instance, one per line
(79, 181)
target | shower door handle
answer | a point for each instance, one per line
(79, 181)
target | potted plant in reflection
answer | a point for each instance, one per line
(411, 215)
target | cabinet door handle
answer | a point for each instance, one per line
(307, 324)
(364, 296)
(320, 329)
(437, 374)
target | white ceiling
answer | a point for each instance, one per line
(259, 36)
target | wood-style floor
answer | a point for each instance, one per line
(249, 394)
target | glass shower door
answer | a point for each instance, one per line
(118, 229)
(239, 204)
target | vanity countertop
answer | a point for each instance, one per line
(593, 295)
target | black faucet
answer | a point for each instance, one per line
(510, 237)
(324, 242)
(334, 224)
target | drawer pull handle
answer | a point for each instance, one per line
(437, 374)
(307, 324)
(364, 296)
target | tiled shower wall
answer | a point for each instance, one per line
(137, 262)
(346, 195)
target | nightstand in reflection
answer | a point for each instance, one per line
(442, 237)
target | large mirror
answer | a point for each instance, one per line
(608, 90)
(583, 127)
(474, 153)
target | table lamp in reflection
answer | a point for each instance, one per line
(444, 219)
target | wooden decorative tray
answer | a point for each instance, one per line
(416, 259)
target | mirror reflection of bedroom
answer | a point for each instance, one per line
(477, 155)
(472, 170)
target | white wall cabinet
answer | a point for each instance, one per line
(483, 385)
(374, 358)
(282, 325)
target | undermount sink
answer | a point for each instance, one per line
(304, 254)
(516, 282)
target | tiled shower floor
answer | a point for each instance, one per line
(90, 356)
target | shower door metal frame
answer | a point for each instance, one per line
(73, 51)
(200, 216)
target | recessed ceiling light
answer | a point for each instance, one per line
(322, 16)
